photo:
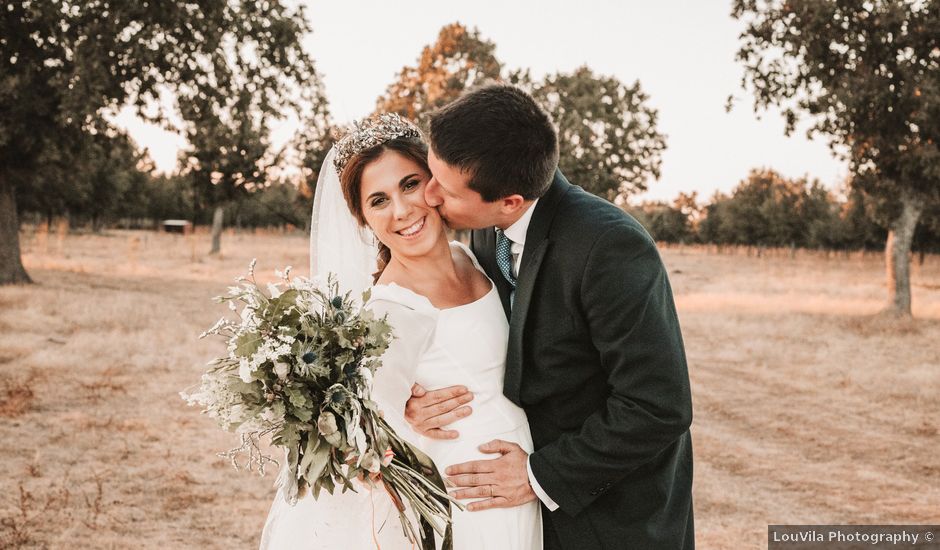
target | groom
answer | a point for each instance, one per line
(595, 353)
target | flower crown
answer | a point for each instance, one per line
(368, 133)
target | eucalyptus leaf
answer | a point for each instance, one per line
(247, 344)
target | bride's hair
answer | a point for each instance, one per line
(413, 149)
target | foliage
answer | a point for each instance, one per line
(769, 210)
(458, 60)
(278, 204)
(606, 130)
(665, 222)
(867, 73)
(313, 141)
(65, 64)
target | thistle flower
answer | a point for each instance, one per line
(337, 396)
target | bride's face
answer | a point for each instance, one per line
(392, 191)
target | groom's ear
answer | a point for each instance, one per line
(512, 204)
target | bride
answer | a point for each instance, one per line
(450, 330)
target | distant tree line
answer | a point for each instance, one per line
(114, 184)
(609, 139)
(769, 210)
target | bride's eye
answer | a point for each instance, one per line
(377, 202)
(411, 184)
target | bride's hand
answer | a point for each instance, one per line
(429, 412)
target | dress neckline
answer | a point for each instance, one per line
(443, 309)
(425, 299)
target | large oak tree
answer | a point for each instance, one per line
(64, 63)
(867, 75)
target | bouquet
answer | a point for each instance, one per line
(299, 368)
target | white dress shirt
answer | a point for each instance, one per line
(516, 233)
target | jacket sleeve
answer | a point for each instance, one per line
(633, 325)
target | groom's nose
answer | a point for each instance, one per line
(432, 193)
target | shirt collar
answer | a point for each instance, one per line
(516, 232)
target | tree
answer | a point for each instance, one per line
(104, 178)
(228, 152)
(313, 141)
(458, 60)
(767, 209)
(859, 224)
(228, 129)
(667, 222)
(170, 197)
(281, 203)
(607, 133)
(64, 63)
(867, 74)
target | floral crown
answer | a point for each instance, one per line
(368, 133)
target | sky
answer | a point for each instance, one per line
(681, 51)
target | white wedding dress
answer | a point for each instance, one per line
(463, 345)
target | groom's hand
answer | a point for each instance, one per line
(503, 482)
(429, 411)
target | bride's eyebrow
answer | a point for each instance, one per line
(405, 179)
(401, 183)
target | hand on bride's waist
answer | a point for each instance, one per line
(430, 412)
(446, 414)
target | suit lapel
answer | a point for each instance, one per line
(537, 244)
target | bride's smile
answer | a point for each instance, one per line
(413, 229)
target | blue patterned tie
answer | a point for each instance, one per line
(504, 258)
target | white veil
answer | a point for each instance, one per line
(338, 245)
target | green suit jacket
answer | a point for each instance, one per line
(596, 360)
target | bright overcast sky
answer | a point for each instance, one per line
(681, 51)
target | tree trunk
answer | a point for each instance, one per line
(11, 264)
(217, 217)
(898, 256)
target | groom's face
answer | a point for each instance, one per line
(460, 206)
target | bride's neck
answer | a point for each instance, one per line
(435, 266)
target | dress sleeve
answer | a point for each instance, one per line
(413, 331)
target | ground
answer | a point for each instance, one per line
(809, 407)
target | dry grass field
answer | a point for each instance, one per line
(809, 407)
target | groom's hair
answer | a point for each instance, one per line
(501, 137)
